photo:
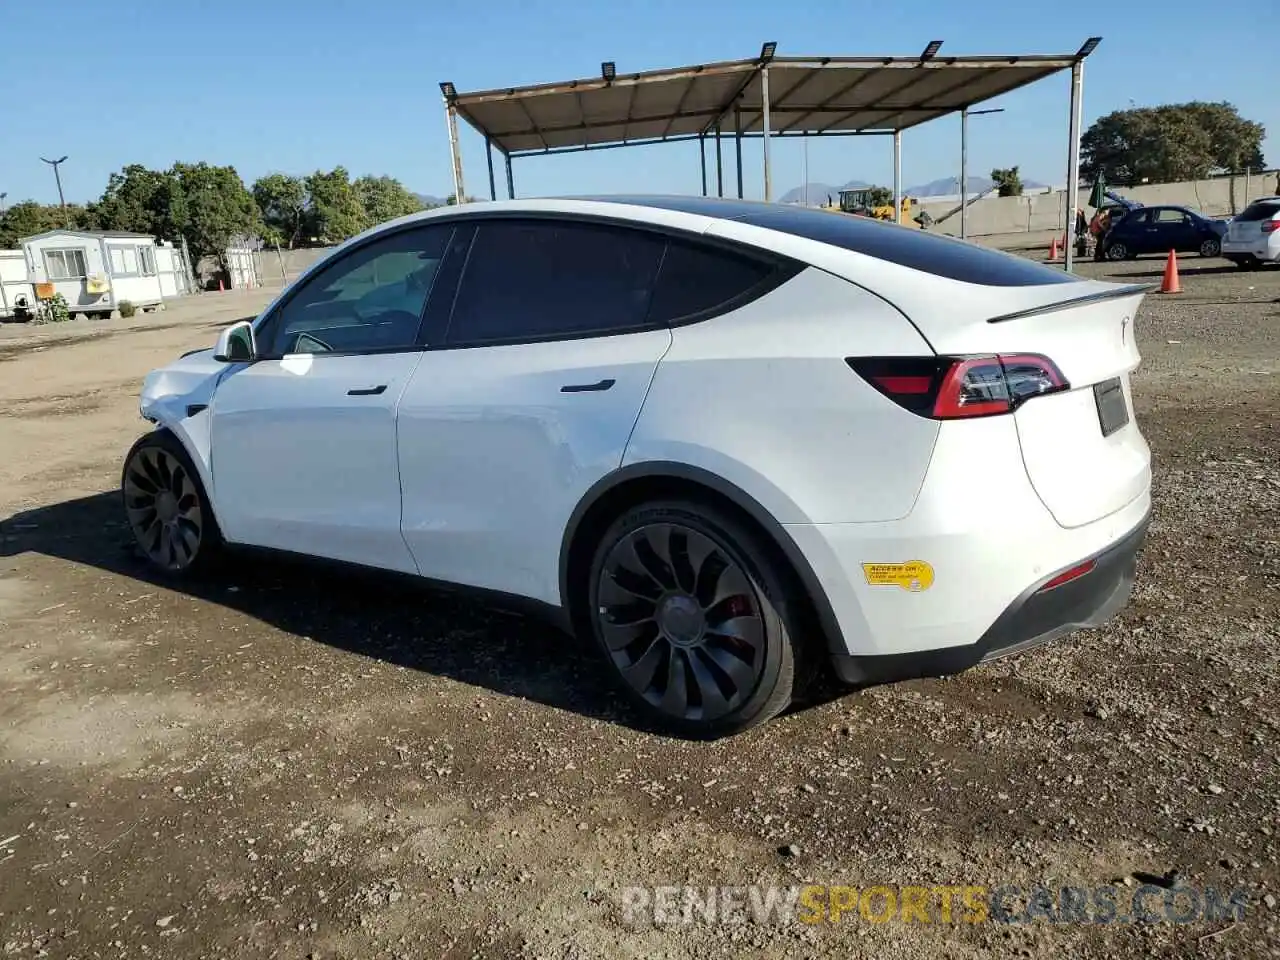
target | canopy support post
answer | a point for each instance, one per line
(451, 117)
(897, 176)
(702, 157)
(488, 154)
(719, 165)
(764, 94)
(964, 173)
(511, 183)
(1073, 161)
(737, 144)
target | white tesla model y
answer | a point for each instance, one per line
(725, 439)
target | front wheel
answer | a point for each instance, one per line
(166, 506)
(1210, 248)
(1117, 251)
(696, 616)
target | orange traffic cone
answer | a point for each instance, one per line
(221, 288)
(1053, 249)
(1170, 283)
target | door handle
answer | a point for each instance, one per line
(367, 391)
(587, 387)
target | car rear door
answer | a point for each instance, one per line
(303, 441)
(1171, 229)
(549, 355)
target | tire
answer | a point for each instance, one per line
(1248, 263)
(667, 579)
(1117, 251)
(1211, 248)
(166, 507)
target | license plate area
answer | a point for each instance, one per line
(1113, 411)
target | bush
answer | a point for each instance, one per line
(53, 310)
(127, 309)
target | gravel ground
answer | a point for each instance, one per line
(287, 761)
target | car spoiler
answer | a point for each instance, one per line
(1128, 290)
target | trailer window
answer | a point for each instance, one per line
(65, 264)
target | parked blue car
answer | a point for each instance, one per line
(1159, 230)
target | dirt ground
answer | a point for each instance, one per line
(284, 761)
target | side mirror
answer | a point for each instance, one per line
(236, 344)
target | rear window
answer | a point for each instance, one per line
(930, 253)
(694, 280)
(1260, 210)
(927, 252)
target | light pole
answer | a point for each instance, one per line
(2, 196)
(62, 201)
(965, 114)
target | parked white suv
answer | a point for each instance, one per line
(1253, 237)
(725, 439)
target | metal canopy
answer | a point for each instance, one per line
(765, 97)
(807, 96)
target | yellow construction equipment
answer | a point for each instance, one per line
(857, 202)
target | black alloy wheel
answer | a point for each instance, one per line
(689, 619)
(166, 506)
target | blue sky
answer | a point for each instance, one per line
(293, 86)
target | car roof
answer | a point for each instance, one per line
(803, 233)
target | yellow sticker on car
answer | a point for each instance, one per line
(914, 575)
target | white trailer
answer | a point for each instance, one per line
(95, 271)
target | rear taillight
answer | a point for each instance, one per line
(1268, 226)
(949, 388)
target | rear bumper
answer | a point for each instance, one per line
(1259, 247)
(1032, 619)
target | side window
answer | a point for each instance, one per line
(368, 299)
(1165, 217)
(696, 279)
(1138, 218)
(542, 279)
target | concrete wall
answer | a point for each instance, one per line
(1046, 211)
(289, 264)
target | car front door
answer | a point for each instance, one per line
(303, 444)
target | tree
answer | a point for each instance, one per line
(334, 211)
(282, 202)
(28, 218)
(1183, 141)
(143, 201)
(1008, 182)
(220, 208)
(385, 198)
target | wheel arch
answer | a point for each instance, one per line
(638, 482)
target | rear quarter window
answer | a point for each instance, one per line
(695, 280)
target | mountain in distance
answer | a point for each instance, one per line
(818, 192)
(429, 201)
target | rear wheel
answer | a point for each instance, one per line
(691, 610)
(1249, 262)
(1117, 251)
(1210, 248)
(166, 506)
